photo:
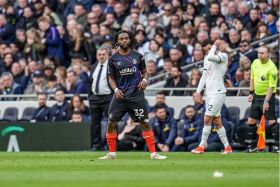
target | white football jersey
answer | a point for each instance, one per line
(215, 72)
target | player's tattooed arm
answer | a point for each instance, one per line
(113, 84)
(144, 82)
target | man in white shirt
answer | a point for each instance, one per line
(99, 96)
(215, 67)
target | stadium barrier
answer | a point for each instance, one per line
(63, 136)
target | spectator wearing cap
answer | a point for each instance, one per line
(251, 25)
(59, 111)
(7, 30)
(74, 85)
(37, 85)
(52, 40)
(176, 80)
(34, 48)
(271, 16)
(27, 21)
(9, 86)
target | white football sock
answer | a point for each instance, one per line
(205, 133)
(223, 136)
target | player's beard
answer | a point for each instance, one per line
(125, 47)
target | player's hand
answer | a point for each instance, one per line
(197, 96)
(119, 94)
(218, 42)
(179, 141)
(165, 148)
(250, 98)
(142, 85)
(265, 106)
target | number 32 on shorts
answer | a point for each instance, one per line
(139, 112)
(209, 107)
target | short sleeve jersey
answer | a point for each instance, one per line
(264, 76)
(126, 71)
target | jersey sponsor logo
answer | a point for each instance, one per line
(128, 71)
(263, 78)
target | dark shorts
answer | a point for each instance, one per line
(257, 108)
(136, 108)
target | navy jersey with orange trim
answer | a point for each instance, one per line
(126, 71)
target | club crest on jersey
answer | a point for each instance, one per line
(134, 61)
(119, 63)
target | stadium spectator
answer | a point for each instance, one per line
(7, 30)
(52, 41)
(177, 80)
(262, 31)
(38, 84)
(194, 80)
(130, 137)
(76, 117)
(165, 129)
(262, 96)
(17, 72)
(189, 130)
(239, 75)
(59, 111)
(271, 17)
(77, 105)
(28, 20)
(253, 21)
(246, 49)
(9, 86)
(245, 83)
(42, 113)
(75, 85)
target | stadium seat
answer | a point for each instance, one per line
(247, 113)
(27, 114)
(234, 113)
(10, 114)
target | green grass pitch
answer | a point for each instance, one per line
(75, 169)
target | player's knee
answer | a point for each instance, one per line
(208, 120)
(145, 125)
(112, 125)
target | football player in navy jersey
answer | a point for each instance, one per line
(128, 78)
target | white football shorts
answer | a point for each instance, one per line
(214, 104)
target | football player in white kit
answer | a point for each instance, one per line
(215, 67)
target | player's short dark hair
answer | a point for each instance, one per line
(132, 42)
(160, 106)
(189, 106)
(161, 93)
(206, 42)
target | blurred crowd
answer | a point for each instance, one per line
(50, 44)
